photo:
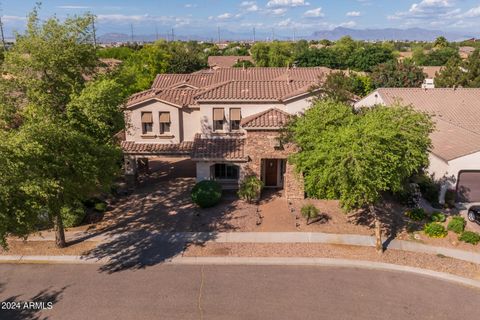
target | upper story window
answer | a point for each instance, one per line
(235, 117)
(218, 118)
(164, 122)
(147, 122)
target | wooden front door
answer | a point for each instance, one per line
(271, 171)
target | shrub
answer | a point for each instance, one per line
(73, 216)
(206, 193)
(438, 217)
(457, 224)
(429, 189)
(100, 207)
(250, 189)
(470, 237)
(309, 211)
(416, 214)
(450, 196)
(435, 230)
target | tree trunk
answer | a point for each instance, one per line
(378, 232)
(59, 232)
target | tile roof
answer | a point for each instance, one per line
(270, 119)
(457, 113)
(228, 149)
(226, 61)
(431, 71)
(184, 147)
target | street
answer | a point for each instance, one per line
(231, 292)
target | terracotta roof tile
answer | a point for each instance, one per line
(184, 147)
(431, 71)
(270, 119)
(229, 149)
(226, 61)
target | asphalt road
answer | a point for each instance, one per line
(232, 292)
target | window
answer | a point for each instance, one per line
(224, 171)
(147, 122)
(218, 118)
(164, 122)
(235, 117)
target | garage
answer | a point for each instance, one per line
(468, 186)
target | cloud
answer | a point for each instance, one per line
(428, 10)
(472, 13)
(277, 12)
(314, 13)
(225, 16)
(73, 7)
(6, 19)
(250, 6)
(348, 24)
(286, 3)
(354, 14)
(190, 5)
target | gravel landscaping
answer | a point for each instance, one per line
(419, 260)
(40, 248)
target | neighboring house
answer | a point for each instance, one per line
(402, 55)
(431, 72)
(455, 156)
(465, 52)
(228, 121)
(216, 62)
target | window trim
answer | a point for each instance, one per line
(225, 177)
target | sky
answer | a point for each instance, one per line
(205, 17)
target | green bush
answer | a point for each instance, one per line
(309, 211)
(73, 216)
(438, 217)
(470, 237)
(250, 189)
(100, 207)
(416, 214)
(457, 224)
(435, 230)
(429, 189)
(206, 193)
(450, 196)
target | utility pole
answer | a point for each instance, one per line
(156, 31)
(131, 32)
(1, 29)
(294, 34)
(218, 34)
(94, 32)
(253, 34)
(273, 34)
(173, 36)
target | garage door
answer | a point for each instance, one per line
(468, 186)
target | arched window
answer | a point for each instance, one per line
(223, 171)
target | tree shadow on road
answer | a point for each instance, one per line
(30, 312)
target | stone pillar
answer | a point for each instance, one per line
(293, 183)
(131, 170)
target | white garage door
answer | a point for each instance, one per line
(468, 186)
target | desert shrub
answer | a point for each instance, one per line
(438, 217)
(469, 237)
(435, 230)
(416, 214)
(100, 206)
(457, 224)
(74, 215)
(250, 189)
(409, 195)
(206, 193)
(450, 196)
(429, 189)
(309, 211)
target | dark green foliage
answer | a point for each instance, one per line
(461, 73)
(438, 217)
(416, 214)
(435, 230)
(244, 64)
(450, 196)
(435, 57)
(100, 207)
(457, 224)
(429, 189)
(122, 53)
(206, 193)
(395, 74)
(250, 188)
(309, 211)
(470, 237)
(73, 215)
(343, 88)
(366, 58)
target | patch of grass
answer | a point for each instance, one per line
(457, 224)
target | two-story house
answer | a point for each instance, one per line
(228, 121)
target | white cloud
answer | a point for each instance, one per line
(286, 3)
(429, 10)
(190, 5)
(278, 12)
(314, 13)
(6, 19)
(225, 16)
(353, 14)
(472, 13)
(348, 24)
(73, 7)
(250, 6)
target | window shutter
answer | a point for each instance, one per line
(218, 114)
(235, 114)
(164, 117)
(147, 117)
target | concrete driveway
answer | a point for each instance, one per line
(232, 292)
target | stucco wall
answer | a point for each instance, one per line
(191, 123)
(133, 119)
(370, 100)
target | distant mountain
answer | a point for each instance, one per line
(412, 34)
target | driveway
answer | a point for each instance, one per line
(232, 292)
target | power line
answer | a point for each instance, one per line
(131, 31)
(254, 34)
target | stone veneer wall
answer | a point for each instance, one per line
(261, 145)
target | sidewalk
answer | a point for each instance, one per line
(284, 237)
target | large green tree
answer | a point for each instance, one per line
(356, 157)
(399, 74)
(459, 73)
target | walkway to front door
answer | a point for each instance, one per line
(274, 210)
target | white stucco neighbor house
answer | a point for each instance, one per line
(455, 156)
(226, 120)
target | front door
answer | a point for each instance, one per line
(271, 171)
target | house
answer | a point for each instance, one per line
(431, 72)
(465, 52)
(228, 121)
(216, 62)
(455, 155)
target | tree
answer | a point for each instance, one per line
(260, 54)
(366, 58)
(356, 157)
(340, 87)
(440, 42)
(395, 74)
(461, 73)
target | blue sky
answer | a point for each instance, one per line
(202, 17)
